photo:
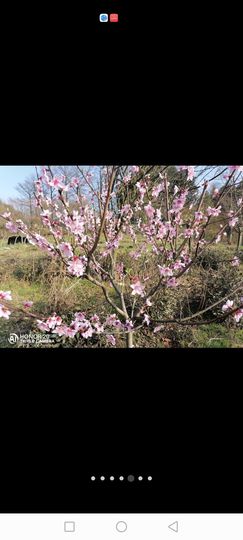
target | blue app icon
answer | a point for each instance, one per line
(103, 17)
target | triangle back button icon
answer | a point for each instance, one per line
(174, 526)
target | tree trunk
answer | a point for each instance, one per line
(129, 340)
(240, 235)
(229, 235)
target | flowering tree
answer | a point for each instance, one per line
(86, 224)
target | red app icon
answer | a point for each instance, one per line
(114, 17)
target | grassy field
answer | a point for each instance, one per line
(30, 275)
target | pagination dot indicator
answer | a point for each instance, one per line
(130, 478)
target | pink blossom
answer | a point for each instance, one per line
(6, 215)
(74, 182)
(235, 261)
(172, 282)
(128, 326)
(4, 312)
(157, 190)
(233, 221)
(57, 183)
(218, 239)
(110, 339)
(142, 188)
(213, 211)
(66, 249)
(162, 231)
(178, 265)
(77, 266)
(188, 233)
(137, 288)
(236, 167)
(150, 211)
(62, 330)
(148, 302)
(87, 332)
(42, 326)
(228, 305)
(146, 319)
(53, 321)
(179, 202)
(135, 168)
(158, 328)
(95, 319)
(110, 321)
(127, 179)
(27, 304)
(99, 328)
(79, 316)
(199, 216)
(238, 314)
(127, 211)
(5, 295)
(190, 171)
(12, 227)
(165, 271)
(215, 193)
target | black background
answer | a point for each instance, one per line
(172, 417)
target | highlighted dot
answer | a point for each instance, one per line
(131, 478)
(149, 478)
(121, 478)
(140, 478)
(112, 478)
(102, 478)
(92, 478)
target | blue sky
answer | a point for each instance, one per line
(10, 176)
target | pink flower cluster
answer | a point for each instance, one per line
(4, 311)
(77, 266)
(179, 202)
(238, 314)
(80, 325)
(213, 211)
(137, 288)
(190, 171)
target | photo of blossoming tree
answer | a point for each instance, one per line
(123, 256)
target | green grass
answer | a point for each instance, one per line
(215, 336)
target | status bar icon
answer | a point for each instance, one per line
(103, 17)
(114, 17)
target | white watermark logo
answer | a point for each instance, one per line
(30, 339)
(13, 338)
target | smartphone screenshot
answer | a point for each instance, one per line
(121, 275)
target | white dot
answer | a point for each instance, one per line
(121, 477)
(93, 478)
(102, 478)
(112, 478)
(149, 478)
(140, 478)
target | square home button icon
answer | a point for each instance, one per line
(69, 526)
